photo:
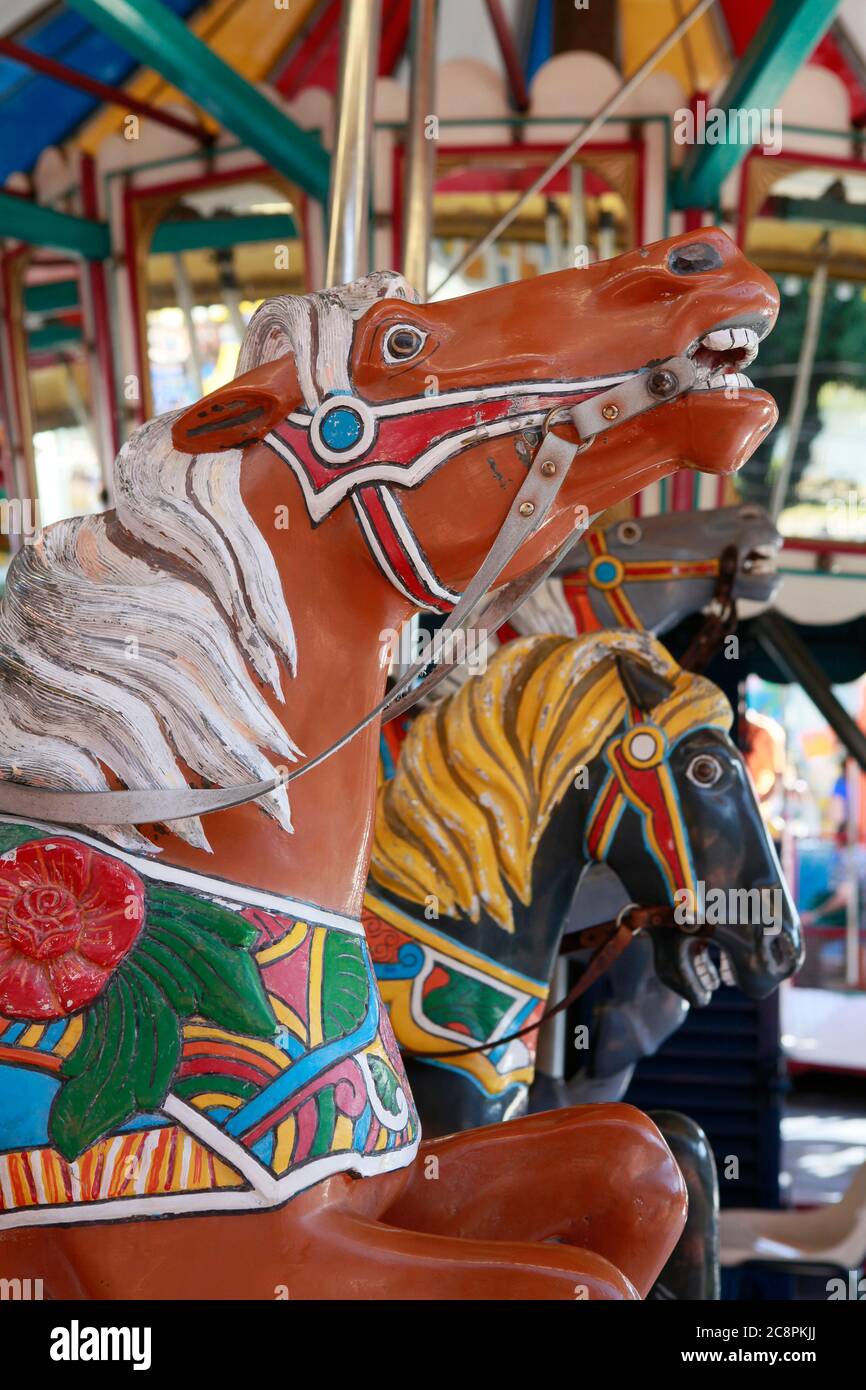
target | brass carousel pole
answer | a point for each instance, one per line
(349, 201)
(418, 210)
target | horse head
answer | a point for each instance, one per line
(677, 818)
(363, 395)
(651, 572)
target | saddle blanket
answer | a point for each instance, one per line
(175, 1044)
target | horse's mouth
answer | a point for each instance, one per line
(699, 977)
(722, 354)
(761, 560)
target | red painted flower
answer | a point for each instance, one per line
(68, 916)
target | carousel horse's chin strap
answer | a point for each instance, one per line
(528, 511)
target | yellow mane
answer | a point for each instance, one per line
(481, 774)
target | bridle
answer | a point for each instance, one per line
(638, 776)
(550, 467)
(609, 574)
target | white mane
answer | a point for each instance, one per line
(128, 640)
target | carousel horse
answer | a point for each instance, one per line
(650, 573)
(190, 1026)
(566, 752)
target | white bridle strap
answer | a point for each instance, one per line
(526, 515)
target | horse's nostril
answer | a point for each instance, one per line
(695, 258)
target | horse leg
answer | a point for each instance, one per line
(361, 1258)
(600, 1177)
(326, 1244)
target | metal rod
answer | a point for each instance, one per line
(349, 204)
(115, 96)
(418, 211)
(805, 367)
(186, 302)
(788, 650)
(582, 138)
(510, 56)
(104, 384)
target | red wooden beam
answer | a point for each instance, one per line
(114, 95)
(510, 56)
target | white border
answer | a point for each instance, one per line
(201, 883)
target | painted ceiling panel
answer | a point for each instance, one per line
(36, 111)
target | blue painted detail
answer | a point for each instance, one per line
(36, 111)
(605, 572)
(27, 1097)
(409, 960)
(341, 428)
(312, 1065)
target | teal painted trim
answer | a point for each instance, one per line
(212, 232)
(782, 44)
(45, 299)
(155, 36)
(54, 335)
(40, 226)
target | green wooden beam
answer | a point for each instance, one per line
(151, 33)
(199, 233)
(787, 37)
(41, 226)
(54, 335)
(48, 298)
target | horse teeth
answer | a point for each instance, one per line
(706, 971)
(728, 381)
(725, 339)
(726, 969)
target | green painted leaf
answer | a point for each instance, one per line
(99, 1076)
(386, 1082)
(469, 1002)
(13, 835)
(346, 985)
(226, 982)
(208, 917)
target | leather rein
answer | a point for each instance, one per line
(609, 940)
(646, 389)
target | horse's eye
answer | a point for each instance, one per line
(693, 258)
(704, 770)
(402, 342)
(628, 533)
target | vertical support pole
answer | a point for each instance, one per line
(100, 356)
(349, 202)
(186, 299)
(578, 234)
(802, 382)
(418, 213)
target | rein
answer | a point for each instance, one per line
(609, 940)
(550, 467)
(720, 621)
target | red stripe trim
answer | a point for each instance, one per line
(395, 552)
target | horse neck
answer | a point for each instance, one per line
(339, 605)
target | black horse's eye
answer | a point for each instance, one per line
(402, 342)
(704, 770)
(695, 257)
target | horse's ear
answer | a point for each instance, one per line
(644, 687)
(240, 412)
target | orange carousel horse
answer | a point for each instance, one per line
(200, 1095)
